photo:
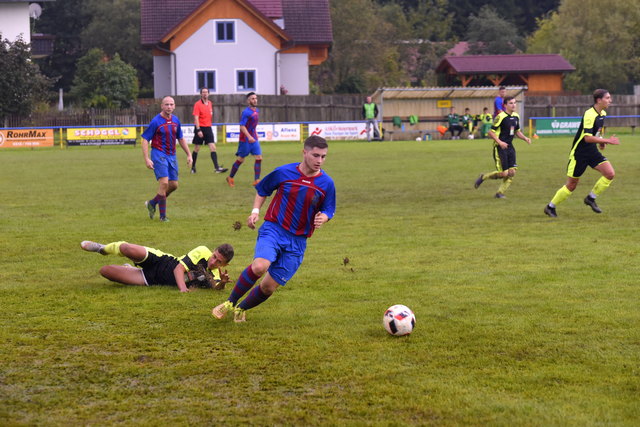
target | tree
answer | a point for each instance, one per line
(115, 28)
(602, 42)
(103, 83)
(65, 19)
(489, 34)
(22, 85)
(364, 54)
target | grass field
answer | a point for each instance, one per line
(521, 319)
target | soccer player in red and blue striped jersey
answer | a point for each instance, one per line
(162, 133)
(305, 199)
(248, 142)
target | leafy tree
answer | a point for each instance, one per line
(22, 85)
(602, 42)
(364, 53)
(522, 13)
(65, 19)
(489, 34)
(115, 28)
(111, 25)
(104, 83)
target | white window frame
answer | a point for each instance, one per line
(255, 80)
(235, 31)
(215, 80)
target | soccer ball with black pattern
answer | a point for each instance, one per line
(399, 320)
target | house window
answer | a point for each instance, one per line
(206, 79)
(246, 80)
(225, 31)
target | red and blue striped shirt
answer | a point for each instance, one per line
(249, 119)
(298, 198)
(162, 133)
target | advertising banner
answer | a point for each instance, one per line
(558, 126)
(11, 138)
(188, 133)
(233, 133)
(101, 136)
(350, 130)
(284, 132)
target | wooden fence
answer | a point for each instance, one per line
(227, 109)
(294, 108)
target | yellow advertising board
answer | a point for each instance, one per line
(101, 136)
(443, 103)
(12, 138)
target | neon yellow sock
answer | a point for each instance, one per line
(113, 248)
(506, 182)
(561, 195)
(601, 185)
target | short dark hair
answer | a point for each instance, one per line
(203, 88)
(315, 141)
(249, 94)
(599, 94)
(226, 250)
(508, 98)
(502, 88)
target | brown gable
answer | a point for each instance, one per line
(505, 64)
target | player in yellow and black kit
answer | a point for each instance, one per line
(157, 267)
(505, 126)
(584, 152)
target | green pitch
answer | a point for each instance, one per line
(521, 319)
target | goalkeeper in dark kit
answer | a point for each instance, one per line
(200, 268)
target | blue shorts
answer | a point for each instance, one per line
(284, 249)
(164, 165)
(246, 148)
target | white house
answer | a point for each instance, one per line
(235, 46)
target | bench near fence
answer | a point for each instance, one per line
(426, 128)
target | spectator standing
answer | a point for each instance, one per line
(370, 115)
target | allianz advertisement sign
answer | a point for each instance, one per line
(558, 126)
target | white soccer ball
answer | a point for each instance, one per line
(399, 320)
(471, 136)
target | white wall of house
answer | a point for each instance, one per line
(249, 51)
(162, 81)
(294, 73)
(14, 21)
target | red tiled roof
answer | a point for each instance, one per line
(157, 17)
(270, 8)
(485, 64)
(306, 21)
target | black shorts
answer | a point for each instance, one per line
(158, 270)
(505, 159)
(578, 164)
(207, 136)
